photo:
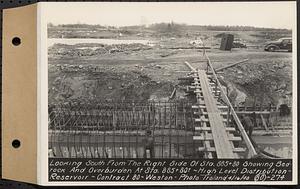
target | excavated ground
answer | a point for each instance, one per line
(139, 72)
(152, 73)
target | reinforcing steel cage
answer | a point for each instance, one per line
(123, 130)
(132, 130)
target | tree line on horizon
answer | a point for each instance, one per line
(169, 27)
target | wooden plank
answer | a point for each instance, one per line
(264, 122)
(195, 87)
(173, 93)
(231, 65)
(209, 136)
(202, 106)
(191, 67)
(237, 150)
(230, 128)
(202, 129)
(256, 112)
(221, 113)
(210, 149)
(197, 91)
(222, 144)
(209, 129)
(208, 120)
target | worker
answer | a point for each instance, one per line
(149, 145)
(248, 125)
(283, 108)
(253, 115)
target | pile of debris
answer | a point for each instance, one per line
(94, 49)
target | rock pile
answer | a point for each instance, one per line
(94, 49)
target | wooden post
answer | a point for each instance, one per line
(262, 102)
(254, 104)
(207, 67)
(216, 87)
(264, 123)
(228, 116)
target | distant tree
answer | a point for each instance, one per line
(50, 25)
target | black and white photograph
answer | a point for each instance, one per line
(171, 81)
(150, 93)
(168, 93)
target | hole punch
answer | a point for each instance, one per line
(16, 143)
(16, 41)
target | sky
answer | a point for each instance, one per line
(259, 14)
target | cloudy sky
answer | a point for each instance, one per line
(259, 14)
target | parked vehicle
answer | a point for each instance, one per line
(239, 43)
(197, 43)
(280, 44)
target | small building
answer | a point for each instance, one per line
(227, 42)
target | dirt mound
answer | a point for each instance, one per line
(79, 50)
(109, 86)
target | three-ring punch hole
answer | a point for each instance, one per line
(16, 143)
(16, 41)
